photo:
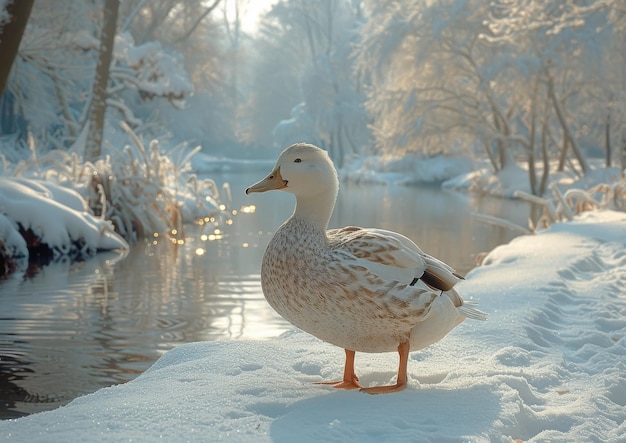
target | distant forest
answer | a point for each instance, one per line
(537, 81)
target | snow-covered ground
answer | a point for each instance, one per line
(514, 178)
(409, 169)
(548, 365)
(55, 216)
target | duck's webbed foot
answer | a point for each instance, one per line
(350, 380)
(384, 389)
(403, 351)
(352, 383)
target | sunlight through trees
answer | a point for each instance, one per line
(531, 84)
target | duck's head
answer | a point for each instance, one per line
(303, 170)
(307, 172)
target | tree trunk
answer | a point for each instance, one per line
(563, 154)
(561, 116)
(532, 173)
(546, 159)
(504, 156)
(498, 165)
(489, 152)
(623, 156)
(93, 144)
(607, 140)
(11, 35)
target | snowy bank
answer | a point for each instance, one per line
(52, 219)
(409, 169)
(548, 365)
(508, 181)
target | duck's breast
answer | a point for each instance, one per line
(334, 298)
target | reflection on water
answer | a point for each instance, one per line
(74, 328)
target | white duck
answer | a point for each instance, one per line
(363, 289)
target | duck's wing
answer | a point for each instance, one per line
(392, 256)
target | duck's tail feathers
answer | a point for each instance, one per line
(438, 275)
(473, 313)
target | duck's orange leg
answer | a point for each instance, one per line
(350, 380)
(403, 351)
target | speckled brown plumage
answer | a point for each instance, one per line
(321, 288)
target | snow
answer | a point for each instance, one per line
(502, 184)
(54, 214)
(508, 181)
(12, 239)
(158, 72)
(548, 365)
(64, 196)
(408, 169)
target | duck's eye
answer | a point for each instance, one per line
(298, 160)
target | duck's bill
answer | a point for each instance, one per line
(272, 182)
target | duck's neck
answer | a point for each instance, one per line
(316, 209)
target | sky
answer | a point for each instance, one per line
(253, 13)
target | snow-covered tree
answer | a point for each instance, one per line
(305, 57)
(52, 85)
(580, 46)
(517, 78)
(434, 82)
(273, 88)
(73, 89)
(44, 82)
(187, 27)
(193, 29)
